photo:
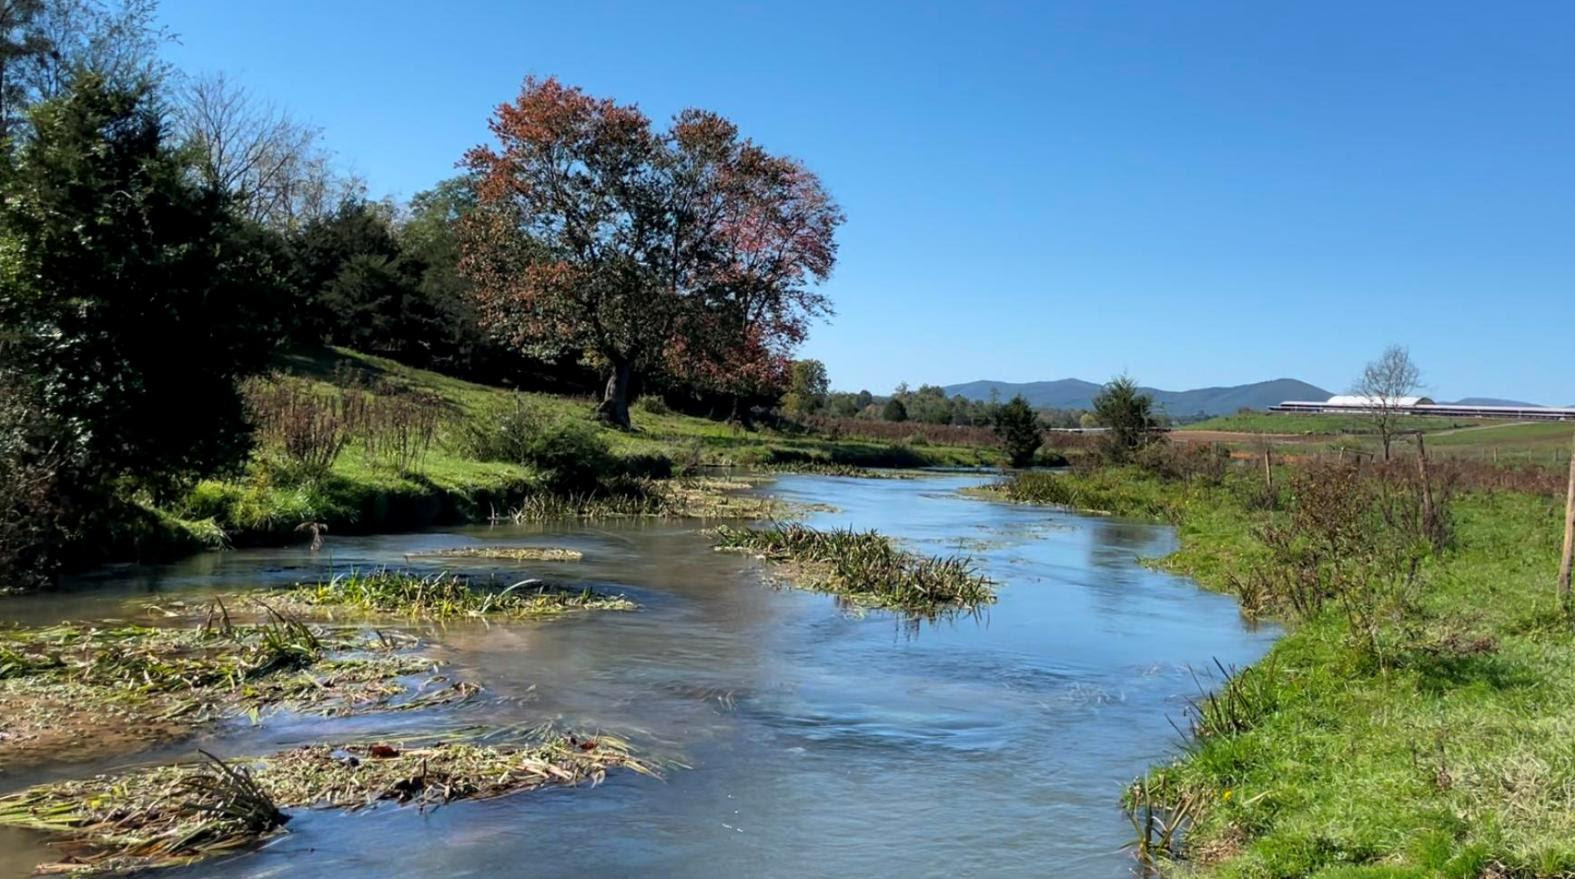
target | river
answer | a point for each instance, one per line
(817, 741)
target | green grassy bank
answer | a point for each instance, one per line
(448, 483)
(1453, 758)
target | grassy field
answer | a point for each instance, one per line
(1454, 759)
(363, 492)
(1323, 425)
(1540, 443)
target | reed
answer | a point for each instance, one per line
(867, 568)
(442, 596)
(507, 553)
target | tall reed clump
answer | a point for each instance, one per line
(401, 429)
(867, 568)
(310, 426)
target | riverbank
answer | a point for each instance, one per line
(410, 461)
(1448, 753)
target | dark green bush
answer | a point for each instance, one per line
(572, 455)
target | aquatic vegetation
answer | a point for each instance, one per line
(1108, 491)
(683, 498)
(813, 467)
(866, 568)
(441, 596)
(80, 688)
(177, 814)
(507, 553)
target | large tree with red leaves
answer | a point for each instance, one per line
(691, 249)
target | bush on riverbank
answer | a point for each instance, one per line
(1443, 752)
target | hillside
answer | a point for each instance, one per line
(1071, 393)
(449, 482)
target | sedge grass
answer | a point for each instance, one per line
(507, 553)
(442, 596)
(866, 568)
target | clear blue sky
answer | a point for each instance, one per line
(1196, 193)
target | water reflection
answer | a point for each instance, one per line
(822, 742)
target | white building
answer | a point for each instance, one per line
(1354, 403)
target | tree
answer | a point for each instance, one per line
(1017, 427)
(45, 45)
(131, 302)
(1127, 416)
(273, 168)
(691, 249)
(21, 42)
(807, 388)
(894, 411)
(1385, 384)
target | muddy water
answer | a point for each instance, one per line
(820, 743)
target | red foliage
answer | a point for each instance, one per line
(691, 250)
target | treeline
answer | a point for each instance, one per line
(164, 235)
(808, 395)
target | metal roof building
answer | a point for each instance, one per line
(1351, 403)
(1366, 402)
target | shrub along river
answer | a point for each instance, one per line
(817, 741)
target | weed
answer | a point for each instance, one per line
(867, 568)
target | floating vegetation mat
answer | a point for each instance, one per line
(178, 814)
(827, 468)
(866, 568)
(686, 498)
(95, 689)
(438, 597)
(506, 553)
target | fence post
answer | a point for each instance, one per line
(1427, 489)
(1569, 533)
(1268, 470)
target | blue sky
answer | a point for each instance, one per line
(1195, 193)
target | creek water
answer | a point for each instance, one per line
(818, 741)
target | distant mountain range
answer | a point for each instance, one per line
(1072, 393)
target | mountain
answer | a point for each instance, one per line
(1072, 393)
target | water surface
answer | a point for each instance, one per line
(821, 742)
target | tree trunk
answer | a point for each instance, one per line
(614, 408)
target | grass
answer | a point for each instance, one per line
(1540, 443)
(1327, 425)
(183, 813)
(441, 596)
(366, 490)
(507, 553)
(866, 568)
(77, 689)
(1454, 758)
